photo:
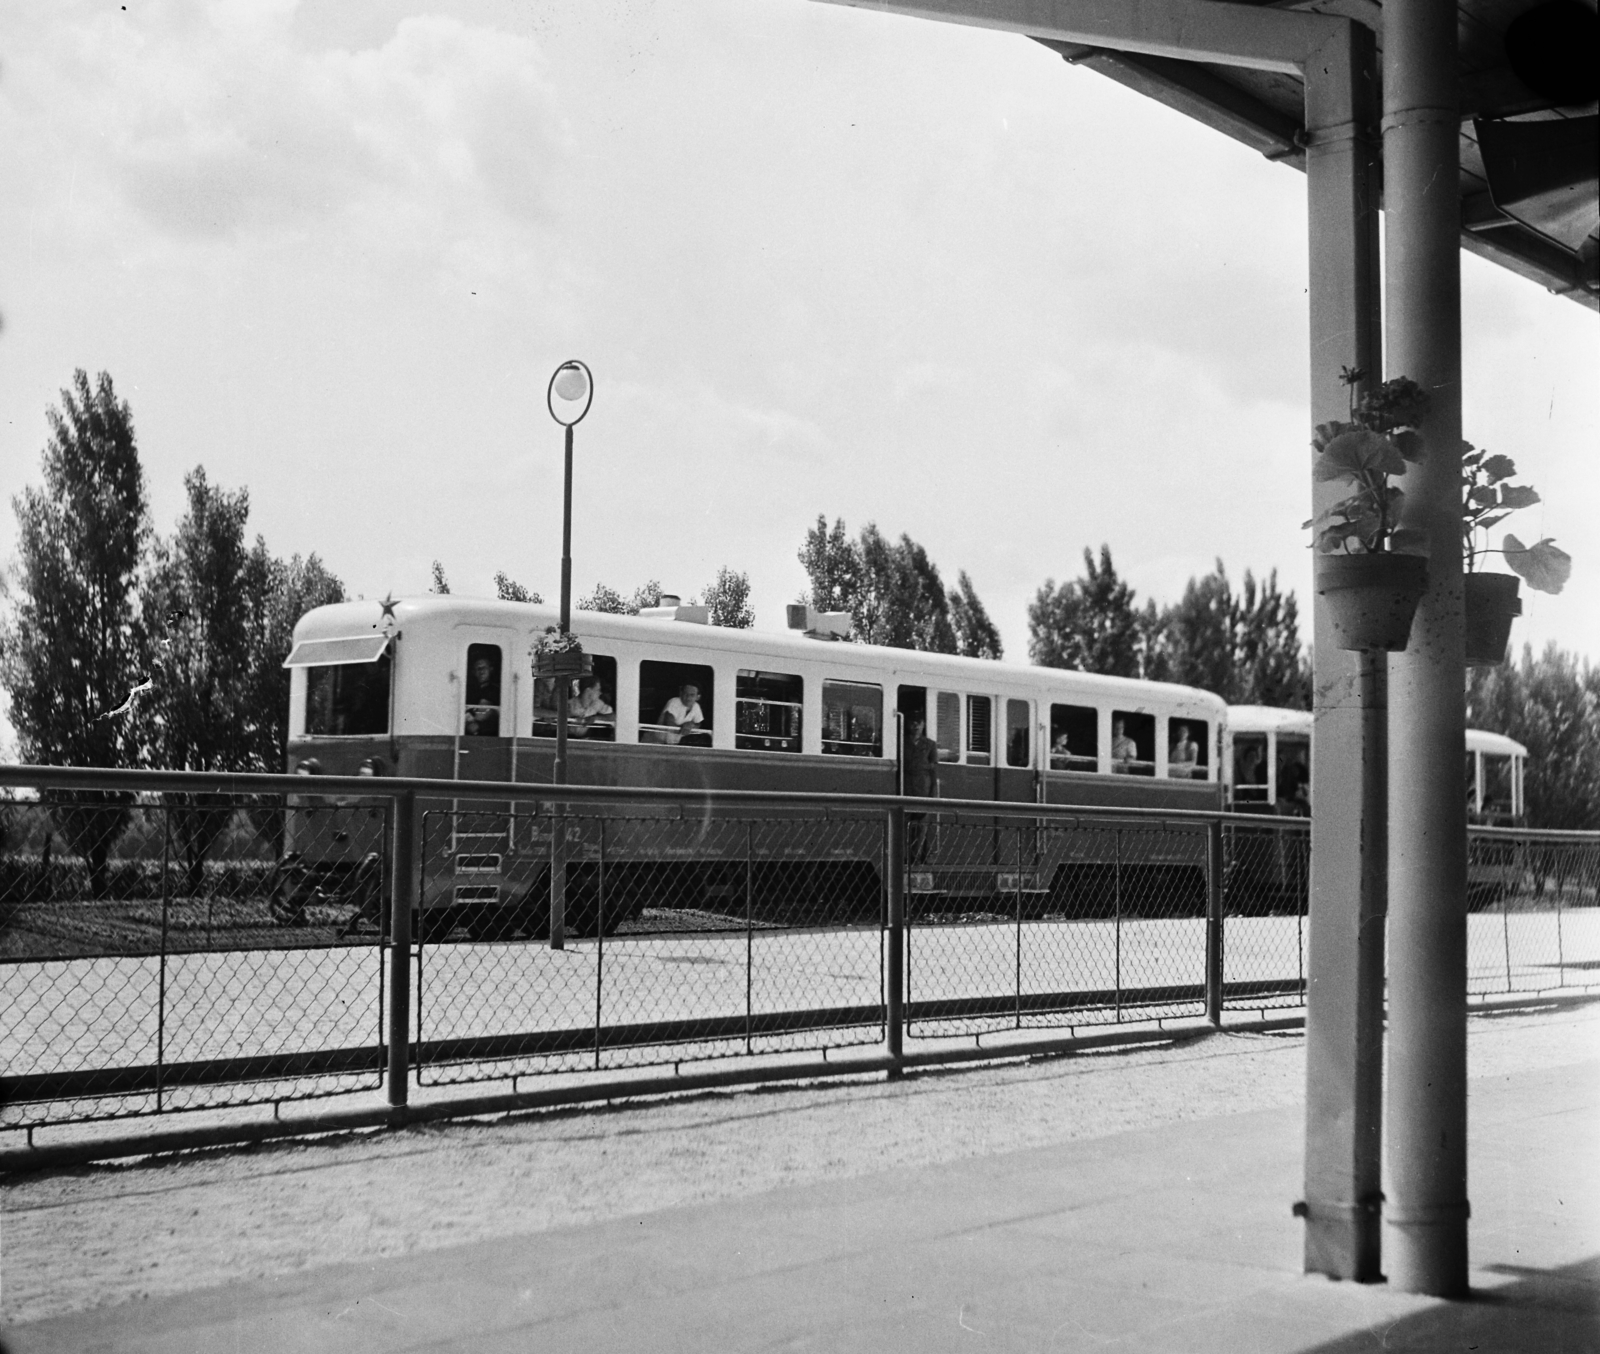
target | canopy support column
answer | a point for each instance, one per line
(1426, 1212)
(1344, 1000)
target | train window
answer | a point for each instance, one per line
(1250, 768)
(1294, 775)
(1133, 744)
(1497, 800)
(480, 715)
(591, 702)
(852, 719)
(947, 708)
(1188, 749)
(980, 730)
(1074, 738)
(348, 698)
(1019, 732)
(767, 711)
(675, 703)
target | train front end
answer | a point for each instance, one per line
(341, 723)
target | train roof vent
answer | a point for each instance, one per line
(696, 615)
(819, 624)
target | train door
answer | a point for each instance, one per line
(910, 704)
(486, 710)
(1016, 750)
(474, 851)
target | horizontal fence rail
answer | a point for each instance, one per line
(176, 941)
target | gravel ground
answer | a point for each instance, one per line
(76, 1239)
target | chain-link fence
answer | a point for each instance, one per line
(167, 945)
(164, 952)
(1533, 919)
(687, 935)
(1266, 890)
(1018, 924)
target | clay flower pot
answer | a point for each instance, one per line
(1371, 598)
(1492, 604)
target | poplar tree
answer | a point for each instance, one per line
(69, 653)
(1087, 624)
(197, 607)
(893, 592)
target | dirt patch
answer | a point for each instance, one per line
(71, 1240)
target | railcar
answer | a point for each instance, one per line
(448, 687)
(1266, 765)
(1267, 759)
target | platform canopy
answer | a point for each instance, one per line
(1530, 150)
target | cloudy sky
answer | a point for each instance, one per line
(820, 261)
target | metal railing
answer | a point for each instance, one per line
(172, 941)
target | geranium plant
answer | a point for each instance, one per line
(1486, 501)
(1378, 441)
(553, 640)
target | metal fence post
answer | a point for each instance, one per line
(1214, 868)
(403, 876)
(894, 997)
(558, 877)
(1116, 902)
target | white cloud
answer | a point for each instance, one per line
(213, 124)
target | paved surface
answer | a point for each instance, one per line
(1176, 1238)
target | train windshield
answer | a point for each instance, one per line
(348, 698)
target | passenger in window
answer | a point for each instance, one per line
(1294, 786)
(1060, 751)
(1183, 759)
(1249, 768)
(682, 713)
(1124, 751)
(483, 698)
(589, 706)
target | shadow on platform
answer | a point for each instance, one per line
(1543, 1311)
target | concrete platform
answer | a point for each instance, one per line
(1176, 1239)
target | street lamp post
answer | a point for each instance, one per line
(569, 395)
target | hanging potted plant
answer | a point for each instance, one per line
(1370, 571)
(1491, 600)
(557, 653)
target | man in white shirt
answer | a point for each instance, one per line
(682, 712)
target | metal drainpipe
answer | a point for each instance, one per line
(1425, 1234)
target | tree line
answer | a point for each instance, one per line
(1243, 644)
(1551, 705)
(125, 648)
(727, 597)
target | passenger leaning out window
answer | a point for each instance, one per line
(682, 714)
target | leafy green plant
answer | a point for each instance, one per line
(1378, 441)
(1486, 501)
(551, 641)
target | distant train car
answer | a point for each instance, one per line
(446, 687)
(1267, 762)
